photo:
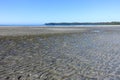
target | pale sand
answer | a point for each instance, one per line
(14, 31)
(30, 30)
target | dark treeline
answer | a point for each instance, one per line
(88, 23)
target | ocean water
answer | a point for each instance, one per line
(42, 25)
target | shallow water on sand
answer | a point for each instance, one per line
(92, 55)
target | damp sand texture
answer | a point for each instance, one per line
(88, 55)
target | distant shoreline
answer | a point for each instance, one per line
(66, 24)
(85, 23)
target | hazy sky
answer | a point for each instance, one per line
(42, 11)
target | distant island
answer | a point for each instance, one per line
(85, 23)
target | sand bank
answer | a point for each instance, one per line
(15, 30)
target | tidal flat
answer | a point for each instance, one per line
(60, 54)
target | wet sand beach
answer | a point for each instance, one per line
(86, 53)
(15, 31)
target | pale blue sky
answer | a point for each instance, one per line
(42, 11)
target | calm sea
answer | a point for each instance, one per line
(42, 25)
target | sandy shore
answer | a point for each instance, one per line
(13, 31)
(86, 54)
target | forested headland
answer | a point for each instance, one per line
(85, 23)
